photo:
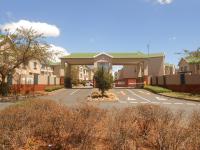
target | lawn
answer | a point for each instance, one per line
(181, 95)
(170, 93)
(53, 88)
(157, 89)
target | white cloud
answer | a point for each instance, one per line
(42, 28)
(163, 2)
(58, 51)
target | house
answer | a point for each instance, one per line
(83, 73)
(170, 69)
(189, 65)
(36, 73)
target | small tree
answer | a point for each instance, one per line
(18, 49)
(104, 80)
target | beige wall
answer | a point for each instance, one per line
(156, 66)
(58, 70)
(173, 79)
(153, 80)
(194, 68)
(160, 80)
(128, 71)
(169, 70)
(192, 79)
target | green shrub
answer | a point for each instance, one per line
(104, 80)
(53, 88)
(157, 89)
(75, 82)
(83, 83)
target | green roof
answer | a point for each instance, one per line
(168, 64)
(115, 55)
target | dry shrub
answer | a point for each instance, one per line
(194, 131)
(122, 129)
(160, 128)
(88, 122)
(43, 124)
(147, 126)
(96, 94)
(40, 122)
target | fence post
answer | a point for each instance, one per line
(164, 80)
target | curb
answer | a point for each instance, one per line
(173, 97)
(178, 98)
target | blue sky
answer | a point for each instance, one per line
(113, 25)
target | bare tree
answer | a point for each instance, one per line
(19, 48)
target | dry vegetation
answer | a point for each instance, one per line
(48, 125)
(98, 97)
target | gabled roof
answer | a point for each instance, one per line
(115, 55)
(103, 53)
(169, 65)
(192, 60)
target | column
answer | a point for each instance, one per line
(68, 70)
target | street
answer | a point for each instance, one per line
(126, 98)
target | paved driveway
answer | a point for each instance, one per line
(127, 98)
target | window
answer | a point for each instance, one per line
(43, 66)
(35, 65)
(103, 65)
(185, 68)
(181, 68)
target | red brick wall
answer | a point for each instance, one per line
(184, 88)
(28, 88)
(128, 82)
(190, 84)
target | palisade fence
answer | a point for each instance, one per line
(178, 82)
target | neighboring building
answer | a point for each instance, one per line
(57, 70)
(143, 65)
(191, 65)
(170, 69)
(32, 72)
(85, 73)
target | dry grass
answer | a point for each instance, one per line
(108, 96)
(47, 125)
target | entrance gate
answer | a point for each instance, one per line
(145, 65)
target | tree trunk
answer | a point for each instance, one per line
(3, 81)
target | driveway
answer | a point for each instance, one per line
(126, 98)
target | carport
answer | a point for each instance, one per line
(146, 64)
